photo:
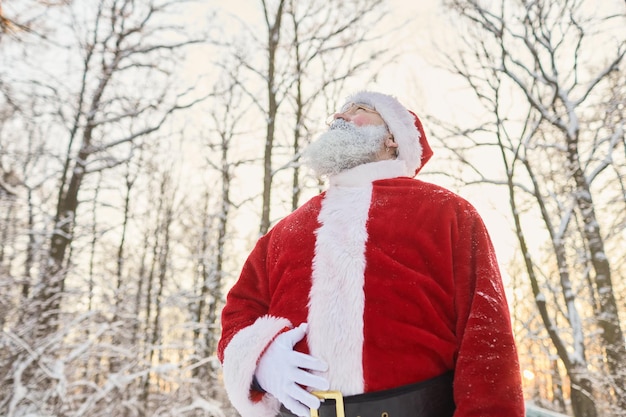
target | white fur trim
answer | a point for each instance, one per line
(400, 122)
(240, 360)
(337, 299)
(365, 174)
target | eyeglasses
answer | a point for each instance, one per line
(352, 108)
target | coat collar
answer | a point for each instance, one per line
(365, 174)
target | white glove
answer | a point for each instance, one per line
(282, 370)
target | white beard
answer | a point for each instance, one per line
(344, 146)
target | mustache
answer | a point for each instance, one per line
(341, 124)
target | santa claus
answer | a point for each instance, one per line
(384, 289)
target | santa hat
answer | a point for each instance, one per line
(404, 125)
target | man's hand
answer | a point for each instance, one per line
(282, 370)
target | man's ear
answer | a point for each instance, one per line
(389, 142)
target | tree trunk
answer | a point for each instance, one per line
(273, 40)
(47, 298)
(607, 316)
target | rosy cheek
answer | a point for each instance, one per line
(361, 119)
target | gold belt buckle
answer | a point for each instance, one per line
(330, 395)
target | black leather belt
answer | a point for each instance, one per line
(430, 398)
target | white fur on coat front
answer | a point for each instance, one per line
(337, 299)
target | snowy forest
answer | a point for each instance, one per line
(146, 144)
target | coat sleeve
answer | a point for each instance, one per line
(247, 330)
(487, 375)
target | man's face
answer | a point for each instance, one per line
(356, 136)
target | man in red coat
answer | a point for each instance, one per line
(383, 288)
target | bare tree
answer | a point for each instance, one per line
(119, 50)
(90, 90)
(556, 123)
(305, 50)
(222, 161)
(160, 270)
(327, 51)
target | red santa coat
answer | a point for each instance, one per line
(399, 283)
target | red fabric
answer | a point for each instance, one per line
(434, 299)
(427, 151)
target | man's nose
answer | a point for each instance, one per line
(340, 115)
